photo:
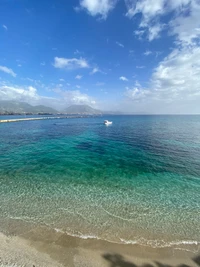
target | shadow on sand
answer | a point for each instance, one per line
(116, 260)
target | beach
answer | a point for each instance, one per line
(40, 248)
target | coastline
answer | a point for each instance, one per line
(43, 247)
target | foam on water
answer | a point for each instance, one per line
(189, 245)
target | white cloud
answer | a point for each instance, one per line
(78, 86)
(122, 78)
(18, 93)
(119, 44)
(179, 72)
(139, 33)
(8, 71)
(136, 93)
(185, 27)
(71, 97)
(95, 70)
(78, 77)
(98, 7)
(30, 95)
(43, 63)
(19, 65)
(175, 84)
(148, 8)
(5, 27)
(154, 31)
(137, 84)
(147, 52)
(70, 63)
(61, 80)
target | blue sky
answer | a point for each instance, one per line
(128, 55)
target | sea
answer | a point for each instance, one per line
(136, 181)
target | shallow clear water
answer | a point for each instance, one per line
(137, 180)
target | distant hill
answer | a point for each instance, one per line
(16, 107)
(81, 109)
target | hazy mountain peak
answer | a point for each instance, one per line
(81, 109)
(22, 107)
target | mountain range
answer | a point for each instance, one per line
(16, 107)
(81, 109)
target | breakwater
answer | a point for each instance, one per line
(43, 118)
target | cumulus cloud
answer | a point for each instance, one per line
(185, 27)
(139, 33)
(119, 44)
(18, 93)
(8, 71)
(175, 83)
(71, 97)
(154, 31)
(183, 22)
(147, 52)
(122, 78)
(78, 77)
(136, 93)
(70, 63)
(95, 70)
(98, 7)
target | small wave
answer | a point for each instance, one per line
(140, 241)
(116, 216)
(160, 243)
(82, 236)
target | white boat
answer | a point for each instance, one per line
(106, 122)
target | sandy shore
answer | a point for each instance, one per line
(40, 247)
(17, 252)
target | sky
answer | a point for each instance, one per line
(135, 56)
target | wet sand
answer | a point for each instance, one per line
(42, 247)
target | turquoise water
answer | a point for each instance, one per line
(136, 181)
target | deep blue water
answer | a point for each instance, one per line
(137, 180)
